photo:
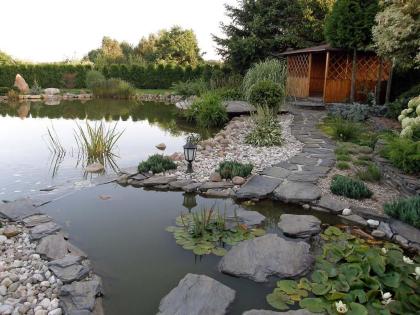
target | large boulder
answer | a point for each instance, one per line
(197, 295)
(21, 84)
(302, 226)
(51, 91)
(268, 255)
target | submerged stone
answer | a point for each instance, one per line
(52, 247)
(297, 192)
(258, 187)
(44, 229)
(18, 209)
(302, 226)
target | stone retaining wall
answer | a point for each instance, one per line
(160, 98)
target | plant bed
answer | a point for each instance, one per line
(350, 188)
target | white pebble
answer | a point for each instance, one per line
(347, 211)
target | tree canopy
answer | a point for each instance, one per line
(6, 59)
(397, 32)
(263, 28)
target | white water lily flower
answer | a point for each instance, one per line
(341, 307)
(417, 273)
(384, 250)
(386, 302)
(386, 295)
(407, 260)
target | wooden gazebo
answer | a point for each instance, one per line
(325, 72)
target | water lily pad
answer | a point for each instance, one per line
(279, 301)
(321, 288)
(199, 251)
(391, 279)
(258, 232)
(315, 305)
(334, 296)
(304, 284)
(333, 231)
(319, 276)
(357, 309)
(219, 251)
(288, 286)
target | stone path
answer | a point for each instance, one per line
(295, 180)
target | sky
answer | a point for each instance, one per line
(54, 30)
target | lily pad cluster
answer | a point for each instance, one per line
(353, 278)
(207, 232)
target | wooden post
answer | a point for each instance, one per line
(389, 83)
(309, 74)
(353, 76)
(379, 82)
(327, 61)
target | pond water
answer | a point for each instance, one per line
(137, 259)
(27, 165)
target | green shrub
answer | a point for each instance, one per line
(407, 210)
(229, 94)
(350, 188)
(266, 130)
(4, 90)
(230, 169)
(403, 153)
(156, 164)
(395, 108)
(271, 69)
(345, 130)
(113, 88)
(343, 157)
(343, 165)
(36, 89)
(359, 162)
(94, 79)
(371, 173)
(189, 88)
(267, 93)
(207, 111)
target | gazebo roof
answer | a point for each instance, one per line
(320, 48)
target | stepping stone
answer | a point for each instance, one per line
(265, 256)
(18, 209)
(68, 269)
(80, 297)
(303, 160)
(286, 165)
(297, 192)
(52, 247)
(407, 231)
(258, 187)
(264, 312)
(327, 163)
(238, 107)
(354, 218)
(302, 226)
(138, 177)
(247, 217)
(191, 187)
(36, 219)
(178, 184)
(43, 230)
(302, 177)
(277, 172)
(158, 180)
(219, 193)
(334, 206)
(197, 295)
(215, 185)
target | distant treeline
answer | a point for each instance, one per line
(73, 76)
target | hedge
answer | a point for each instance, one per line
(146, 77)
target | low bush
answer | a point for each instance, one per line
(94, 78)
(359, 162)
(403, 153)
(114, 88)
(189, 88)
(345, 130)
(266, 131)
(4, 90)
(353, 112)
(407, 210)
(343, 165)
(230, 169)
(343, 157)
(229, 94)
(410, 120)
(350, 188)
(266, 93)
(371, 173)
(156, 164)
(207, 111)
(395, 108)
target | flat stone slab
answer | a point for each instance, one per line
(178, 184)
(258, 187)
(52, 247)
(219, 193)
(18, 209)
(36, 219)
(407, 231)
(69, 269)
(215, 185)
(130, 171)
(138, 177)
(44, 229)
(238, 107)
(191, 187)
(354, 218)
(197, 295)
(158, 180)
(303, 160)
(277, 172)
(335, 206)
(264, 312)
(297, 192)
(301, 226)
(247, 217)
(265, 256)
(80, 297)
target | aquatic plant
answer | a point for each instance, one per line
(54, 143)
(405, 209)
(156, 164)
(350, 188)
(353, 277)
(230, 169)
(207, 231)
(96, 143)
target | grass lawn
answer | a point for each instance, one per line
(153, 91)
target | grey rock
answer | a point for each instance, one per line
(66, 261)
(264, 312)
(302, 177)
(75, 251)
(80, 297)
(94, 168)
(346, 211)
(335, 206)
(238, 180)
(197, 295)
(265, 256)
(215, 185)
(238, 107)
(302, 226)
(401, 240)
(258, 187)
(36, 219)
(303, 160)
(384, 227)
(52, 247)
(18, 209)
(373, 223)
(407, 231)
(297, 192)
(179, 184)
(247, 217)
(286, 165)
(44, 229)
(378, 233)
(130, 171)
(219, 193)
(354, 218)
(69, 273)
(277, 172)
(158, 180)
(191, 187)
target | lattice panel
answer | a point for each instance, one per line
(367, 68)
(298, 65)
(339, 67)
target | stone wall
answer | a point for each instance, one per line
(160, 98)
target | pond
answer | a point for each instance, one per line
(137, 259)
(27, 165)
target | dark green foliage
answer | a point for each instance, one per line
(407, 210)
(230, 169)
(371, 173)
(345, 130)
(266, 93)
(229, 94)
(343, 165)
(207, 111)
(403, 153)
(189, 88)
(350, 23)
(113, 88)
(350, 188)
(395, 108)
(94, 79)
(156, 164)
(343, 157)
(4, 90)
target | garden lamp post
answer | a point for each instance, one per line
(189, 201)
(189, 153)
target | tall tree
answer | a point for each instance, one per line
(6, 59)
(262, 28)
(349, 26)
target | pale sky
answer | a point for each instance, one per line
(53, 30)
